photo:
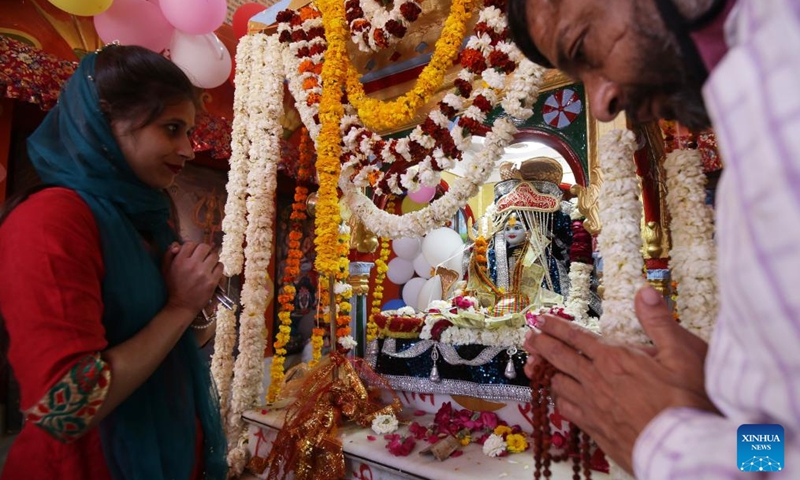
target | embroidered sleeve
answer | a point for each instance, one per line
(68, 407)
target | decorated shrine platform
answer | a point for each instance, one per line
(367, 458)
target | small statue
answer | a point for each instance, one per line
(518, 228)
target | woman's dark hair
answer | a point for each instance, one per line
(137, 84)
(518, 26)
(134, 84)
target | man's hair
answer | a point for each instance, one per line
(518, 26)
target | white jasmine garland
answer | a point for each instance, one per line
(233, 226)
(406, 311)
(494, 446)
(347, 342)
(693, 255)
(342, 288)
(384, 424)
(620, 239)
(577, 303)
(266, 107)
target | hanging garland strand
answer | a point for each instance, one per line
(381, 267)
(379, 115)
(329, 147)
(318, 333)
(291, 269)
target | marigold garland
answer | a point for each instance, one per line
(343, 290)
(377, 114)
(319, 331)
(292, 268)
(331, 111)
(381, 267)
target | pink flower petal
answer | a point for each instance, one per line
(419, 413)
(457, 453)
(371, 438)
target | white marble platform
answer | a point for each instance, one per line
(370, 460)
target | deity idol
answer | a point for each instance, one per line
(524, 266)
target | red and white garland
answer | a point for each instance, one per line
(430, 148)
(373, 28)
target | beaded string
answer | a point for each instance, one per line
(578, 446)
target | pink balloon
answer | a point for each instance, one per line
(203, 58)
(197, 17)
(423, 195)
(134, 22)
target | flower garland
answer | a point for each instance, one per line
(693, 255)
(577, 303)
(580, 270)
(292, 267)
(343, 292)
(620, 242)
(372, 28)
(329, 149)
(264, 130)
(381, 267)
(431, 143)
(233, 225)
(318, 333)
(377, 114)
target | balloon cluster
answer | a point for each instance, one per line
(415, 262)
(183, 28)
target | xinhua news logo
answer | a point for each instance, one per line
(760, 448)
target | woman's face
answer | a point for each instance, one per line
(158, 151)
(515, 233)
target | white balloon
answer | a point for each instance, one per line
(439, 244)
(432, 290)
(411, 291)
(455, 261)
(400, 271)
(406, 248)
(203, 58)
(422, 267)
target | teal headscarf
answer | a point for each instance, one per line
(152, 434)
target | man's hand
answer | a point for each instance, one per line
(613, 391)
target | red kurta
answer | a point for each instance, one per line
(51, 269)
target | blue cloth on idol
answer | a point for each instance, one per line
(151, 435)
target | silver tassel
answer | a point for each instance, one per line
(434, 376)
(510, 371)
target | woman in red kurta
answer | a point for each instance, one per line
(96, 295)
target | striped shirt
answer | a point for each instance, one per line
(753, 364)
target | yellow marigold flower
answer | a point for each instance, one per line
(465, 440)
(516, 443)
(502, 430)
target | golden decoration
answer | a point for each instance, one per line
(448, 277)
(360, 284)
(587, 200)
(543, 169)
(308, 443)
(362, 238)
(652, 236)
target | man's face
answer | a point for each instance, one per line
(623, 53)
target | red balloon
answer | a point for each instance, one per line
(242, 15)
